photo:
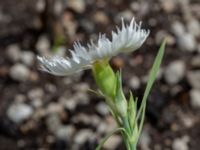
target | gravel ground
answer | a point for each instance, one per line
(39, 111)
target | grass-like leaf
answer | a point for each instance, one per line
(151, 79)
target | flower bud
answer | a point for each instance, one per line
(105, 78)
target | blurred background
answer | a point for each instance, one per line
(39, 111)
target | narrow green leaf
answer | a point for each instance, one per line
(152, 78)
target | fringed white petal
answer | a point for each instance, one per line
(127, 39)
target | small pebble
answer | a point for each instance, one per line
(43, 45)
(113, 142)
(40, 6)
(27, 57)
(175, 72)
(100, 17)
(19, 72)
(178, 28)
(134, 82)
(53, 122)
(36, 93)
(187, 42)
(77, 5)
(65, 133)
(168, 6)
(195, 98)
(102, 108)
(82, 136)
(195, 61)
(19, 112)
(145, 140)
(181, 143)
(193, 26)
(13, 53)
(194, 78)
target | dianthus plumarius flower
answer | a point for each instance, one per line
(126, 39)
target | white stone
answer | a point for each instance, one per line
(43, 45)
(13, 53)
(194, 78)
(77, 5)
(82, 136)
(113, 142)
(53, 122)
(193, 26)
(134, 82)
(187, 42)
(181, 143)
(19, 112)
(27, 57)
(178, 28)
(145, 140)
(126, 14)
(70, 104)
(40, 5)
(19, 72)
(102, 108)
(174, 72)
(195, 98)
(195, 62)
(65, 132)
(36, 93)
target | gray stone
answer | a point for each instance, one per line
(187, 42)
(77, 5)
(178, 28)
(53, 122)
(195, 61)
(82, 87)
(40, 5)
(36, 103)
(58, 7)
(194, 78)
(126, 14)
(36, 93)
(54, 108)
(69, 104)
(145, 140)
(168, 6)
(19, 112)
(43, 46)
(134, 82)
(195, 98)
(19, 72)
(174, 72)
(13, 53)
(193, 26)
(82, 136)
(65, 132)
(102, 108)
(20, 98)
(82, 118)
(113, 142)
(82, 98)
(181, 143)
(27, 57)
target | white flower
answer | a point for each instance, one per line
(127, 39)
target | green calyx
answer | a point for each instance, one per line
(105, 78)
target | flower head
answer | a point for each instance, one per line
(127, 39)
